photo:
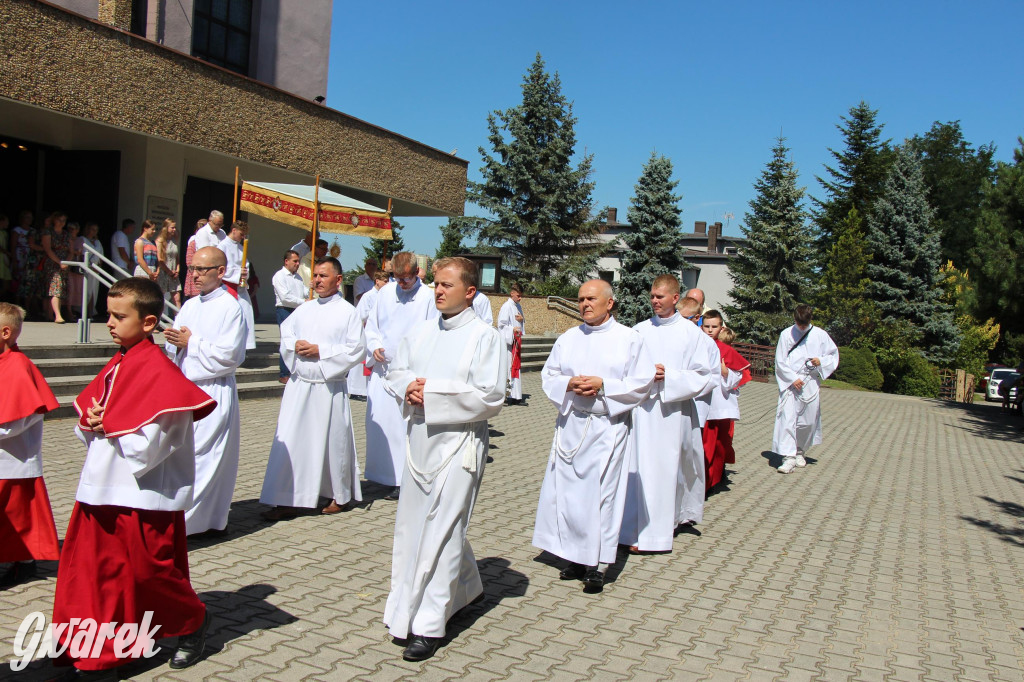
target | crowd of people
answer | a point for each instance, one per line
(643, 430)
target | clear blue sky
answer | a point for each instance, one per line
(709, 85)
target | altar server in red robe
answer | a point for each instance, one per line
(725, 406)
(27, 531)
(125, 558)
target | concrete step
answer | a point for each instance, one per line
(73, 384)
(53, 368)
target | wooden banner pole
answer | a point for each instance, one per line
(316, 224)
(243, 278)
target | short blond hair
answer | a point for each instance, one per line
(727, 336)
(467, 268)
(12, 316)
(688, 306)
(403, 261)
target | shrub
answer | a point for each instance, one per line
(907, 373)
(859, 367)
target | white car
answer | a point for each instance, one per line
(998, 375)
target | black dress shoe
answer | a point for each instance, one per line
(572, 572)
(393, 495)
(190, 647)
(18, 572)
(421, 648)
(593, 581)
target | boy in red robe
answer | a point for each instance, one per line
(27, 531)
(725, 408)
(124, 559)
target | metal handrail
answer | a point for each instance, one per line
(92, 268)
(564, 305)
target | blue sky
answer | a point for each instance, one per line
(709, 85)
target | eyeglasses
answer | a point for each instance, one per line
(201, 270)
(693, 317)
(407, 280)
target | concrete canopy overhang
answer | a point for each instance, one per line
(68, 64)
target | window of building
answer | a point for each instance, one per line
(222, 32)
(140, 11)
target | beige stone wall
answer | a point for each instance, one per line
(69, 64)
(540, 320)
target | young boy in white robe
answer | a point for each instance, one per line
(449, 375)
(665, 477)
(313, 455)
(804, 357)
(595, 375)
(207, 341)
(125, 557)
(512, 326)
(236, 275)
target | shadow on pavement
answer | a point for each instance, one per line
(243, 519)
(557, 563)
(1011, 534)
(987, 420)
(500, 582)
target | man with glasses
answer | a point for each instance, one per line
(212, 233)
(207, 342)
(400, 305)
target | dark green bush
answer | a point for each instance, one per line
(858, 366)
(907, 373)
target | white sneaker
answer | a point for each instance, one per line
(788, 464)
(800, 461)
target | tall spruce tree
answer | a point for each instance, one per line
(842, 297)
(540, 202)
(655, 243)
(451, 239)
(956, 176)
(858, 176)
(770, 274)
(379, 248)
(905, 258)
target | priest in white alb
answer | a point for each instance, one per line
(358, 375)
(595, 375)
(207, 342)
(804, 357)
(236, 273)
(399, 306)
(512, 326)
(313, 455)
(666, 469)
(449, 375)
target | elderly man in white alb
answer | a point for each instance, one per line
(314, 451)
(595, 375)
(207, 342)
(450, 375)
(666, 470)
(235, 275)
(512, 327)
(212, 233)
(804, 357)
(400, 305)
(289, 294)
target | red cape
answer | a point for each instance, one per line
(25, 391)
(143, 384)
(734, 361)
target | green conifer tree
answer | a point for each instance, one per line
(379, 248)
(858, 176)
(539, 202)
(845, 307)
(655, 244)
(451, 239)
(905, 258)
(770, 274)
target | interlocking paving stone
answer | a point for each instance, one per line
(897, 553)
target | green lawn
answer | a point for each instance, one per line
(841, 385)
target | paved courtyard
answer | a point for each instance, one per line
(897, 554)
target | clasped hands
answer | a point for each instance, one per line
(414, 392)
(586, 386)
(305, 349)
(178, 337)
(94, 416)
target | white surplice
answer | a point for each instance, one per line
(508, 325)
(482, 307)
(394, 313)
(213, 354)
(665, 484)
(234, 273)
(581, 504)
(357, 380)
(21, 448)
(314, 449)
(433, 570)
(798, 417)
(362, 284)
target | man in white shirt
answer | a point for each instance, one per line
(804, 357)
(121, 246)
(212, 233)
(289, 294)
(235, 275)
(364, 282)
(302, 247)
(595, 375)
(449, 374)
(306, 262)
(400, 305)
